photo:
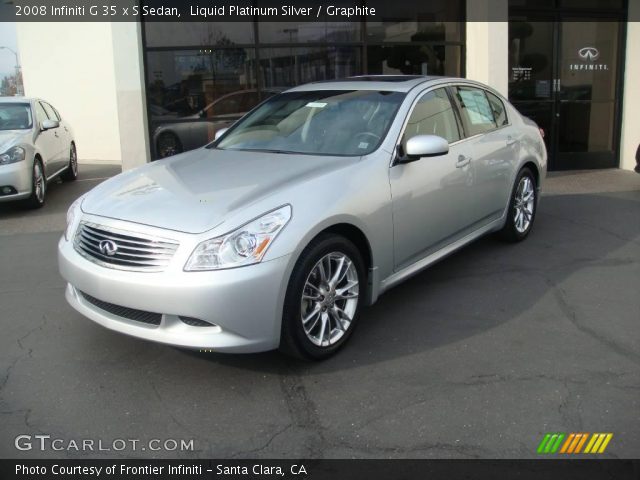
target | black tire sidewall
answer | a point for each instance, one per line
(293, 338)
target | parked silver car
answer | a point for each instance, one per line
(306, 210)
(36, 146)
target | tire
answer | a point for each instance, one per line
(168, 144)
(71, 173)
(307, 293)
(38, 186)
(522, 207)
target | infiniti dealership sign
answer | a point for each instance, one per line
(588, 55)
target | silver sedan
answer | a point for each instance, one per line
(36, 146)
(306, 210)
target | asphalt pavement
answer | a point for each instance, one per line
(477, 357)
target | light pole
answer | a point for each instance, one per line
(18, 78)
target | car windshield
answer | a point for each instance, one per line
(15, 116)
(320, 122)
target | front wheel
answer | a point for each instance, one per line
(323, 298)
(38, 186)
(522, 207)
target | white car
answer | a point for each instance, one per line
(36, 146)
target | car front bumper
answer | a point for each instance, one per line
(17, 176)
(245, 303)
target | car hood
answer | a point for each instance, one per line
(196, 191)
(8, 138)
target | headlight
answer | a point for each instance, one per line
(244, 246)
(13, 155)
(71, 217)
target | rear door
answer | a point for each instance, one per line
(492, 148)
(431, 196)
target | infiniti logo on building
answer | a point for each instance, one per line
(108, 247)
(589, 53)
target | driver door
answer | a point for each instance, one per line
(432, 203)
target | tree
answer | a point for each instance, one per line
(9, 84)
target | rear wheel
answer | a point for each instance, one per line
(323, 298)
(522, 207)
(71, 173)
(168, 145)
(38, 186)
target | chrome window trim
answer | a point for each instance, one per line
(446, 85)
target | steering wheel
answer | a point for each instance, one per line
(364, 135)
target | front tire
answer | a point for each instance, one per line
(38, 186)
(71, 173)
(522, 207)
(323, 300)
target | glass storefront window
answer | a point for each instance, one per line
(413, 31)
(181, 83)
(201, 77)
(192, 34)
(414, 60)
(285, 67)
(308, 32)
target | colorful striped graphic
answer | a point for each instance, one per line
(572, 443)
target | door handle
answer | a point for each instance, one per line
(511, 140)
(463, 161)
(55, 134)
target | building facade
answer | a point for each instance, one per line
(136, 92)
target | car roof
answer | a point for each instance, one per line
(394, 83)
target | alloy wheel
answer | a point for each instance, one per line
(38, 182)
(74, 160)
(524, 204)
(329, 299)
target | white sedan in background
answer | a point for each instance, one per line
(36, 146)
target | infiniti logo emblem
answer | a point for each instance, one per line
(108, 247)
(589, 53)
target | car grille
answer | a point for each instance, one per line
(124, 312)
(123, 250)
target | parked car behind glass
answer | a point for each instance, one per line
(305, 210)
(193, 131)
(36, 146)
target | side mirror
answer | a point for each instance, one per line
(49, 124)
(424, 146)
(219, 133)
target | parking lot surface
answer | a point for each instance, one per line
(479, 356)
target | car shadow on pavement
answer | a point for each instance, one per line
(487, 285)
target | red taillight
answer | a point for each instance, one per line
(541, 132)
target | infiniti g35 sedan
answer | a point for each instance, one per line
(36, 146)
(307, 209)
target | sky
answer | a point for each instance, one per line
(7, 39)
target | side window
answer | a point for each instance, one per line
(41, 115)
(499, 112)
(477, 116)
(57, 114)
(433, 115)
(49, 109)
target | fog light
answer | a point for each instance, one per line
(7, 190)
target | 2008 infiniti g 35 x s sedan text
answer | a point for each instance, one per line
(304, 211)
